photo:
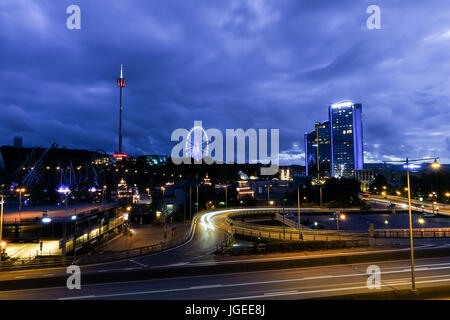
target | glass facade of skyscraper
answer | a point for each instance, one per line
(324, 150)
(346, 139)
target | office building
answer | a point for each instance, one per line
(346, 139)
(324, 145)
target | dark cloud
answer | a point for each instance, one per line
(229, 63)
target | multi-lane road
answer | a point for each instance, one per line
(208, 230)
(299, 283)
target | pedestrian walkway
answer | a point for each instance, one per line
(147, 235)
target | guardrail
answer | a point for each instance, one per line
(59, 261)
(224, 245)
(289, 236)
(37, 219)
(417, 233)
(290, 229)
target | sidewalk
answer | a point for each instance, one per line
(146, 235)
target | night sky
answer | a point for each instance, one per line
(232, 64)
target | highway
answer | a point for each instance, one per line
(197, 251)
(416, 205)
(300, 283)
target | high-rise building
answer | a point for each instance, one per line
(324, 144)
(346, 138)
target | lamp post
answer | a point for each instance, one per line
(268, 193)
(298, 209)
(1, 227)
(197, 199)
(339, 217)
(226, 196)
(20, 190)
(435, 165)
(66, 191)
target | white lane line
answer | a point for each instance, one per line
(206, 287)
(416, 269)
(174, 265)
(138, 263)
(280, 293)
(19, 277)
(80, 297)
(245, 284)
(332, 290)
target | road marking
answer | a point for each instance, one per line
(287, 293)
(19, 277)
(138, 263)
(48, 275)
(416, 269)
(280, 293)
(206, 286)
(175, 264)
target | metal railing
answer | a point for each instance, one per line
(290, 236)
(292, 227)
(417, 233)
(59, 261)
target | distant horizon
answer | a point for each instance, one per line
(168, 155)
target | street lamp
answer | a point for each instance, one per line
(1, 226)
(268, 193)
(435, 165)
(339, 217)
(20, 190)
(66, 191)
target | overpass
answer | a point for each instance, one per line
(443, 209)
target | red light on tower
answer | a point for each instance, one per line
(121, 80)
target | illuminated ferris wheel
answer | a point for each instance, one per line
(197, 144)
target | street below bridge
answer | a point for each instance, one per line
(298, 283)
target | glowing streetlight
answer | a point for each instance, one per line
(20, 190)
(421, 220)
(66, 191)
(46, 220)
(435, 165)
(1, 225)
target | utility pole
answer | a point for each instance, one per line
(318, 163)
(411, 236)
(226, 196)
(1, 227)
(197, 199)
(298, 208)
(190, 202)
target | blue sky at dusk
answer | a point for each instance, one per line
(229, 63)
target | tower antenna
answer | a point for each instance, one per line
(121, 85)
